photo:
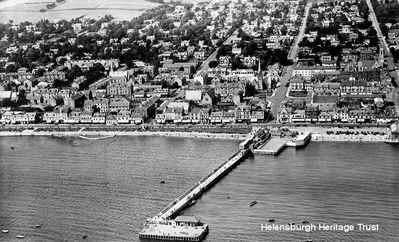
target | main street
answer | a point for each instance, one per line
(279, 95)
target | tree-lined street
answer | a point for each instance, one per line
(281, 91)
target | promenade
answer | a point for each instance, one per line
(334, 134)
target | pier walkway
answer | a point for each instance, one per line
(196, 191)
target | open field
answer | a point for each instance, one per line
(29, 10)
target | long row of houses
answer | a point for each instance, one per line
(337, 115)
(175, 115)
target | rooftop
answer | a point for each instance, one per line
(325, 99)
(187, 219)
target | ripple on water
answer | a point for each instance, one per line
(107, 189)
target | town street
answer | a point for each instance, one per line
(205, 64)
(281, 91)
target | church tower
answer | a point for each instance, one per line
(259, 78)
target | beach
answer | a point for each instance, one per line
(76, 133)
(319, 134)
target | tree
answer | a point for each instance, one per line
(175, 85)
(95, 109)
(236, 63)
(250, 90)
(213, 64)
(11, 68)
(95, 73)
(59, 83)
(22, 98)
(192, 70)
(74, 73)
(33, 54)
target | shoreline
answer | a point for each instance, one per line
(317, 136)
(206, 135)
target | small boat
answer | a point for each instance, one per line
(162, 182)
(193, 202)
(5, 231)
(38, 226)
(253, 203)
(271, 220)
(20, 236)
(12, 147)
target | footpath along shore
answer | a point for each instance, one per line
(333, 134)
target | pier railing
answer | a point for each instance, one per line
(182, 196)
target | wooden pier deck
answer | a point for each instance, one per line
(273, 147)
(199, 188)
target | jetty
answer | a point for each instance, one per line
(166, 226)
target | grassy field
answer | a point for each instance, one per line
(24, 10)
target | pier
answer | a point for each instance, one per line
(204, 184)
(163, 226)
(273, 147)
(168, 225)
